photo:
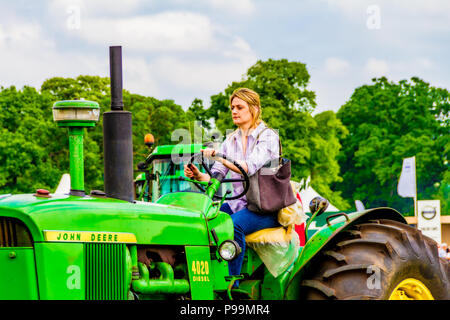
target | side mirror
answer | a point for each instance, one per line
(318, 204)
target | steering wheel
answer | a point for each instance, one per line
(245, 180)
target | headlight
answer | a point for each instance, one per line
(229, 250)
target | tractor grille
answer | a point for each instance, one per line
(106, 277)
(13, 233)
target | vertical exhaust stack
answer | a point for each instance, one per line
(117, 137)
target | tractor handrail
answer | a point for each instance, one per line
(337, 215)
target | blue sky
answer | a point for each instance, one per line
(181, 50)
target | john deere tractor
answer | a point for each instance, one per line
(162, 236)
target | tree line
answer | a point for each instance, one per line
(355, 153)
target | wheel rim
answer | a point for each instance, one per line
(411, 289)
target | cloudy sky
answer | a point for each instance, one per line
(180, 49)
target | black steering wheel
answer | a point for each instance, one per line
(245, 180)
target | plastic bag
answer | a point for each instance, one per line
(293, 214)
(278, 248)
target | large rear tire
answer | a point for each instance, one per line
(380, 259)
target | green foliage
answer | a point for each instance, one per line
(311, 143)
(34, 151)
(387, 122)
(30, 151)
(197, 112)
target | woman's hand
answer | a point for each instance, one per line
(191, 171)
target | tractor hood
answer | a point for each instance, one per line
(150, 223)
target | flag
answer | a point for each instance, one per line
(406, 187)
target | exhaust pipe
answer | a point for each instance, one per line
(117, 137)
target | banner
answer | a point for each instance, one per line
(406, 187)
(429, 218)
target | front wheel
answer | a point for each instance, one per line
(381, 259)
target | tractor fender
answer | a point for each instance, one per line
(341, 222)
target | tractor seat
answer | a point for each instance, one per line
(270, 235)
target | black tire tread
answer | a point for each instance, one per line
(396, 249)
(322, 288)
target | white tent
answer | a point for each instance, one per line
(307, 193)
(64, 184)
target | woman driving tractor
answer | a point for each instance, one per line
(251, 148)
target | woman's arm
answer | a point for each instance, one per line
(231, 166)
(210, 153)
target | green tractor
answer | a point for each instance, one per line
(162, 236)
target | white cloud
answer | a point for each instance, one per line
(167, 31)
(29, 56)
(235, 7)
(23, 35)
(96, 7)
(336, 66)
(353, 7)
(200, 74)
(425, 63)
(412, 16)
(376, 67)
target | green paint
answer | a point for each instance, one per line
(166, 284)
(76, 158)
(77, 123)
(76, 104)
(61, 271)
(213, 187)
(151, 223)
(200, 272)
(18, 274)
(185, 150)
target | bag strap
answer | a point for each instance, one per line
(259, 134)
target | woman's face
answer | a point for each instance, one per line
(240, 112)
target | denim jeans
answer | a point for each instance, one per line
(246, 222)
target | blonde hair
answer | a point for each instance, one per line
(252, 99)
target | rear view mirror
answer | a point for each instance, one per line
(318, 203)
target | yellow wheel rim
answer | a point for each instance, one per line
(411, 289)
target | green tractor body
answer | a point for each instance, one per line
(86, 247)
(172, 242)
